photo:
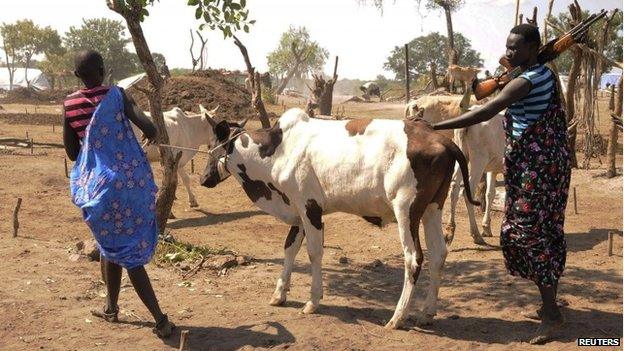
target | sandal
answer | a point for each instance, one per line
(164, 328)
(111, 317)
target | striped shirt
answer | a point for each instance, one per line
(79, 107)
(528, 110)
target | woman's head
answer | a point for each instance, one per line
(523, 43)
(89, 67)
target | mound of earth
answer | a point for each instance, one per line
(209, 88)
(32, 96)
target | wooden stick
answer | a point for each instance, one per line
(575, 204)
(192, 167)
(52, 127)
(517, 11)
(32, 147)
(27, 138)
(66, 172)
(183, 338)
(407, 77)
(15, 220)
(610, 243)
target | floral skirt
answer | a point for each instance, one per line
(537, 180)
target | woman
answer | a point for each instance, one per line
(112, 183)
(537, 173)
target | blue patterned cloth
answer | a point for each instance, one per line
(112, 183)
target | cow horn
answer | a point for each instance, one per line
(207, 115)
(214, 111)
(243, 122)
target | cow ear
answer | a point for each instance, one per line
(205, 114)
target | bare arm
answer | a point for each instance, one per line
(136, 116)
(70, 140)
(512, 92)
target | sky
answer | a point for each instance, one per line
(360, 35)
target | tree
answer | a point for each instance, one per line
(108, 37)
(424, 50)
(58, 66)
(295, 55)
(10, 44)
(448, 6)
(229, 18)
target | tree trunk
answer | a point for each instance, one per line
(577, 55)
(324, 91)
(9, 64)
(166, 193)
(26, 70)
(287, 79)
(451, 40)
(434, 75)
(613, 133)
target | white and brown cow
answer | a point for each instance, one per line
(185, 130)
(381, 170)
(484, 147)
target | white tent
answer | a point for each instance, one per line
(36, 77)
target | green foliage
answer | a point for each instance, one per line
(269, 96)
(426, 49)
(108, 37)
(172, 252)
(452, 5)
(282, 59)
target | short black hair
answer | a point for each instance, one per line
(88, 62)
(529, 32)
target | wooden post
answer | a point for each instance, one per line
(613, 133)
(32, 147)
(407, 77)
(15, 220)
(27, 138)
(546, 19)
(52, 127)
(192, 167)
(610, 243)
(183, 338)
(66, 172)
(575, 204)
(517, 12)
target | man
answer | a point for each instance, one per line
(537, 173)
(112, 183)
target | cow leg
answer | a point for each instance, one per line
(291, 248)
(476, 171)
(432, 223)
(313, 227)
(491, 193)
(187, 184)
(454, 195)
(412, 262)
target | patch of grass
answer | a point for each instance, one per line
(173, 252)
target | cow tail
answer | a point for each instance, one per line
(463, 166)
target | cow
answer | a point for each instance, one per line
(463, 74)
(185, 130)
(382, 170)
(484, 147)
(370, 89)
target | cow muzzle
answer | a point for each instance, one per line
(214, 174)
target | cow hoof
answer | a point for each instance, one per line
(424, 320)
(392, 325)
(478, 240)
(193, 204)
(277, 301)
(487, 232)
(309, 308)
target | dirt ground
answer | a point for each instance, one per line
(45, 298)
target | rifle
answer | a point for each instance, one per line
(546, 53)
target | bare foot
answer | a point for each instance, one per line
(547, 330)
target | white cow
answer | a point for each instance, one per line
(484, 147)
(186, 130)
(303, 168)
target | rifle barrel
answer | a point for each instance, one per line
(588, 22)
